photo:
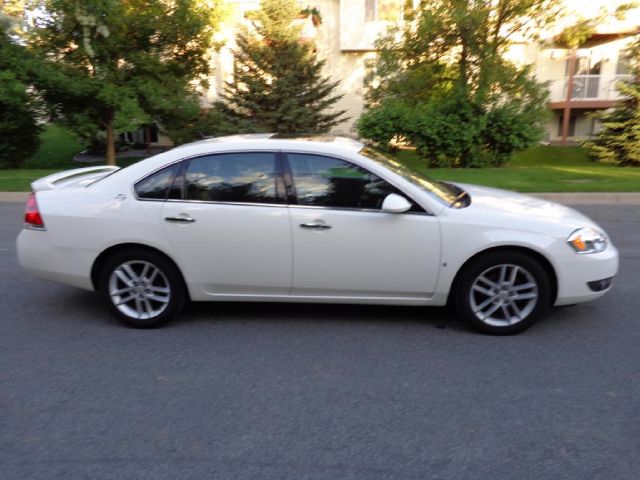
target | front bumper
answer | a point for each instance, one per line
(576, 273)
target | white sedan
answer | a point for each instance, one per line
(270, 218)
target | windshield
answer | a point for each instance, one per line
(446, 193)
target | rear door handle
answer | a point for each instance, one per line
(318, 226)
(185, 219)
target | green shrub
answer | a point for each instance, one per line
(446, 134)
(508, 131)
(18, 109)
(386, 123)
(452, 133)
(18, 128)
(58, 146)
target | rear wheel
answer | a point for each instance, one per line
(143, 289)
(502, 293)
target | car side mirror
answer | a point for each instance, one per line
(394, 203)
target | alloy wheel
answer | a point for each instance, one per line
(139, 289)
(503, 295)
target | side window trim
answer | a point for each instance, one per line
(179, 178)
(281, 183)
(293, 202)
(287, 177)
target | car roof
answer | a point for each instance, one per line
(276, 140)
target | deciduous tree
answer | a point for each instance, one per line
(19, 109)
(449, 57)
(111, 66)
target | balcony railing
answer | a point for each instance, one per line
(588, 87)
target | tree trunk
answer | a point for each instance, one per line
(147, 138)
(111, 145)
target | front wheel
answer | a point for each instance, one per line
(502, 293)
(143, 289)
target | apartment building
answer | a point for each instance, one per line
(580, 82)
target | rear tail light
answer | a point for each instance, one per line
(32, 217)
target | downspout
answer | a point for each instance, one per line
(566, 116)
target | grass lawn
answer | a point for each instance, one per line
(541, 169)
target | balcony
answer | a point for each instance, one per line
(594, 91)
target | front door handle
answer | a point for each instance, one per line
(185, 219)
(318, 226)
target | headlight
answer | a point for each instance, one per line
(587, 240)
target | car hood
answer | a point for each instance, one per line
(524, 212)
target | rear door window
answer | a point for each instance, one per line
(245, 177)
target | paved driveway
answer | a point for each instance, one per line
(317, 392)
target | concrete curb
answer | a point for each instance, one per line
(14, 196)
(592, 198)
(600, 198)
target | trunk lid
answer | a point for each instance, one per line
(78, 177)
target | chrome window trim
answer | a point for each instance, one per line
(213, 202)
(287, 205)
(349, 209)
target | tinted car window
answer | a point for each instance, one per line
(232, 177)
(156, 186)
(330, 182)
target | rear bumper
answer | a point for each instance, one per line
(576, 272)
(42, 259)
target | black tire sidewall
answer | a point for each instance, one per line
(177, 297)
(479, 265)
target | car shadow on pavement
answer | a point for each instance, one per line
(437, 317)
(88, 307)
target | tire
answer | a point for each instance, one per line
(143, 289)
(502, 293)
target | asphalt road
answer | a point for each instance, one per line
(317, 392)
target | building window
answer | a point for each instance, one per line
(623, 66)
(383, 10)
(584, 66)
(370, 79)
(153, 134)
(572, 125)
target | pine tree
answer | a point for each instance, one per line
(618, 142)
(278, 84)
